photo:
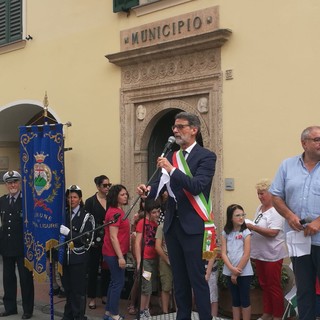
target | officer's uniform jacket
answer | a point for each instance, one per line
(11, 231)
(74, 256)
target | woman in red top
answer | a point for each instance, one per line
(115, 247)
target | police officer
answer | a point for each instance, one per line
(78, 221)
(12, 249)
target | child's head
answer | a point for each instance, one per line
(235, 218)
(152, 208)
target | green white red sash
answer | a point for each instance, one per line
(202, 207)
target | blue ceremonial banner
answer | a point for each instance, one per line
(43, 187)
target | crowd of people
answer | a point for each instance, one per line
(168, 236)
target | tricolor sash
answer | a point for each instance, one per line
(202, 207)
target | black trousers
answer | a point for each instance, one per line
(74, 284)
(95, 260)
(306, 270)
(188, 269)
(10, 285)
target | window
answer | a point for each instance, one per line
(124, 5)
(10, 21)
(149, 6)
(147, 1)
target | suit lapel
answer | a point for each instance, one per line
(192, 153)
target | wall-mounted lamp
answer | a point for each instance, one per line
(28, 37)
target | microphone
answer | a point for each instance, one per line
(168, 146)
(305, 220)
(116, 217)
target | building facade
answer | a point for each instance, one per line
(248, 69)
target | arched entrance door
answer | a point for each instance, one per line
(159, 137)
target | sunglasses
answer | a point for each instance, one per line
(258, 218)
(107, 185)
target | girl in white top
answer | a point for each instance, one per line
(235, 252)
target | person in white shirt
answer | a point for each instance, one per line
(268, 250)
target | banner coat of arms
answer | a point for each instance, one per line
(43, 186)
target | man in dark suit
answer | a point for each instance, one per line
(183, 226)
(12, 249)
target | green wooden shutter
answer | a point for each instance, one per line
(124, 5)
(15, 20)
(3, 22)
(10, 21)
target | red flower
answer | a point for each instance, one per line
(239, 236)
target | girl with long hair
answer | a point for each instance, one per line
(235, 252)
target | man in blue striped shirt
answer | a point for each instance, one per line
(296, 196)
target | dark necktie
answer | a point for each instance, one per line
(184, 152)
(11, 202)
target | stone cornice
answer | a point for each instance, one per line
(191, 44)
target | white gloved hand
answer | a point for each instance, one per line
(64, 230)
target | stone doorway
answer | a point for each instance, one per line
(157, 83)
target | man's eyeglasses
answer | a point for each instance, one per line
(180, 126)
(316, 140)
(258, 218)
(240, 215)
(107, 185)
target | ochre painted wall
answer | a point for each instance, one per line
(273, 52)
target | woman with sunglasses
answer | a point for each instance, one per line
(268, 250)
(97, 205)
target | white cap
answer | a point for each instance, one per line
(11, 176)
(74, 187)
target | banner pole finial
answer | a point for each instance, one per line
(45, 105)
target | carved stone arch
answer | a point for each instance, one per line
(136, 134)
(143, 137)
(144, 132)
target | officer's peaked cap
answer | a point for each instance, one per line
(11, 176)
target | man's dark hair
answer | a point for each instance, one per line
(191, 118)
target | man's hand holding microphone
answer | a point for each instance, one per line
(143, 190)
